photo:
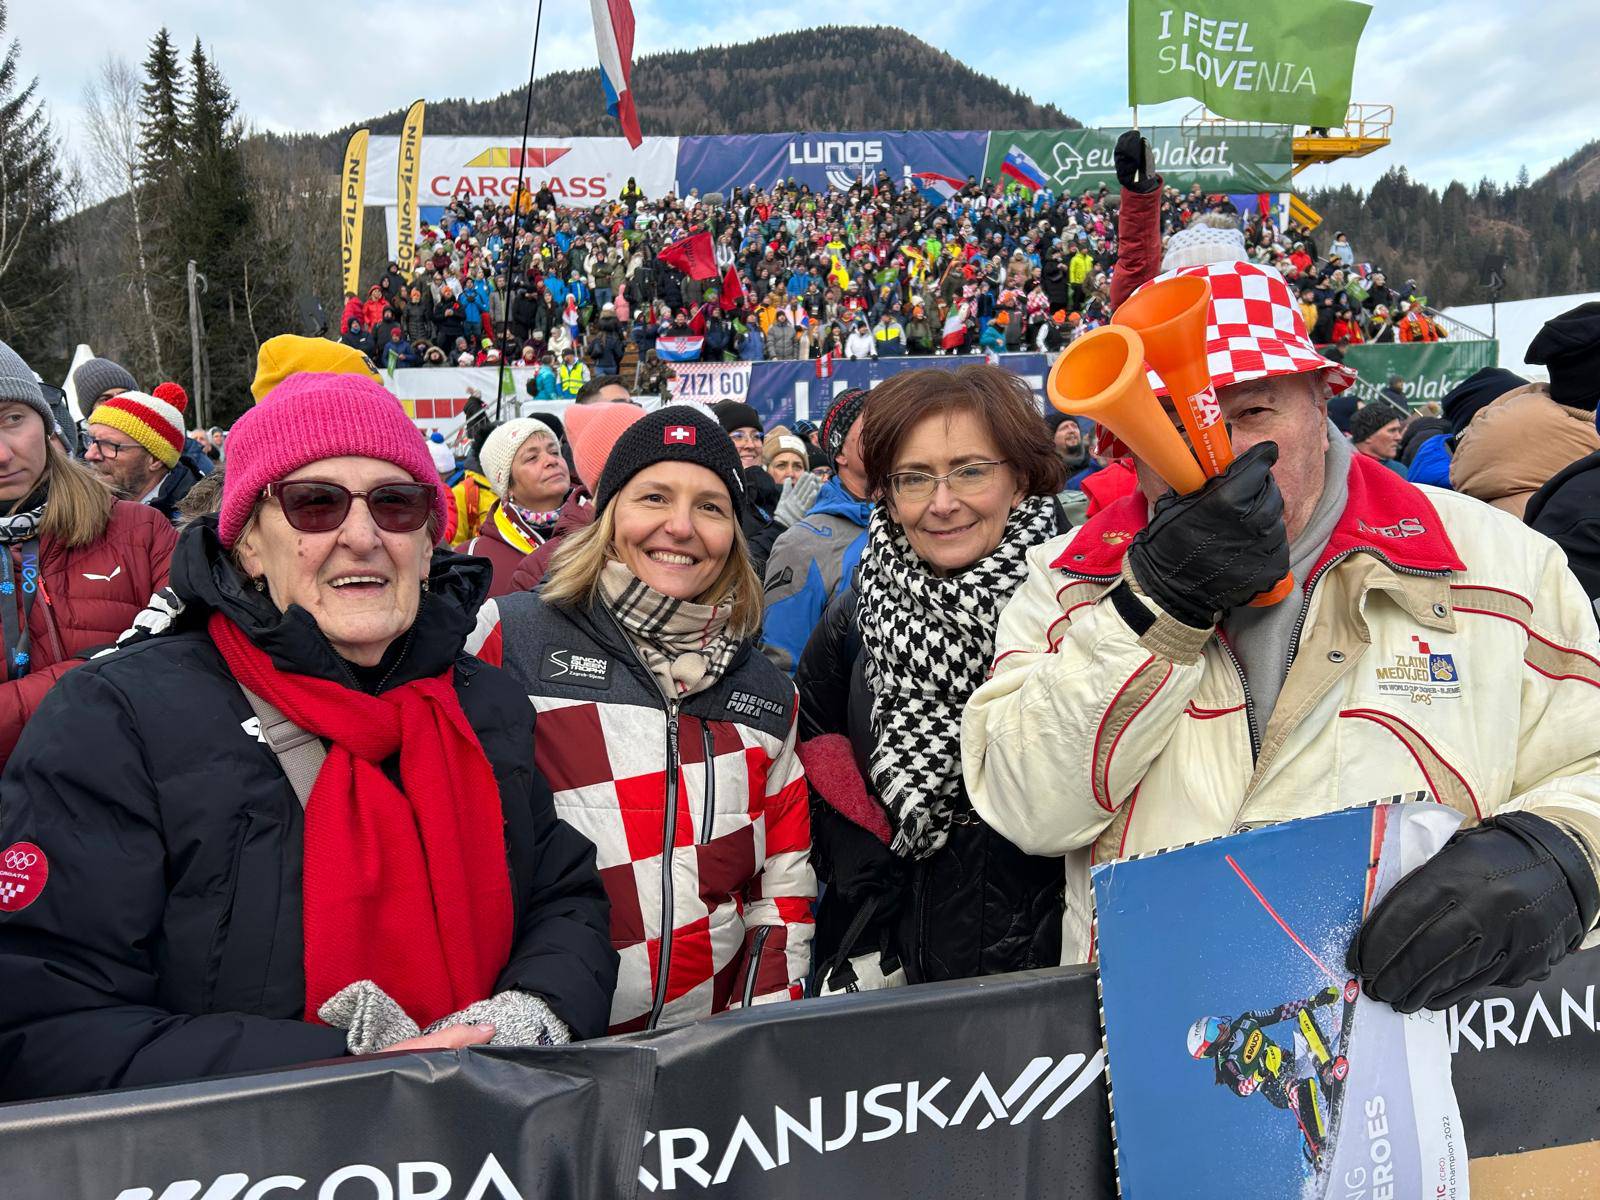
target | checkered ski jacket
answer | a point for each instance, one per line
(698, 813)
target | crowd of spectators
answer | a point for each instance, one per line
(873, 271)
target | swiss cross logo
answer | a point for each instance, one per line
(678, 435)
(23, 871)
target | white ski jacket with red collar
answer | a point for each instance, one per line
(1442, 645)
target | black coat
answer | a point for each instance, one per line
(167, 942)
(978, 906)
(1567, 511)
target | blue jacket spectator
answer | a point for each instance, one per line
(809, 561)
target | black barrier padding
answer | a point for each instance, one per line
(1527, 1062)
(1022, 1111)
(561, 1123)
(1033, 1038)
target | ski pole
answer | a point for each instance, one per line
(1282, 924)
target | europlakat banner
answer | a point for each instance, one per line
(580, 172)
(1074, 161)
(937, 160)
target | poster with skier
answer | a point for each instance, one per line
(1243, 1058)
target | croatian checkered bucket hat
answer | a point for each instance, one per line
(1255, 331)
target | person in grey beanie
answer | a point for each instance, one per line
(98, 378)
(18, 382)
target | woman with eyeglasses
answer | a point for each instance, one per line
(289, 819)
(965, 472)
(76, 564)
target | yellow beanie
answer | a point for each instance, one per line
(289, 354)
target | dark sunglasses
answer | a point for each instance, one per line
(312, 506)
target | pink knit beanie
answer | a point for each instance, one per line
(312, 416)
(595, 433)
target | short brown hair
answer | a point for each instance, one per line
(997, 399)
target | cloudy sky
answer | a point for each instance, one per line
(1480, 87)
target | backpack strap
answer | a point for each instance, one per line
(299, 753)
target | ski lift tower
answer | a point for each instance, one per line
(1365, 130)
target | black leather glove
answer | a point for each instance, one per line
(1212, 550)
(1500, 904)
(861, 867)
(1136, 165)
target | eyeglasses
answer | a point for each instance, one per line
(744, 437)
(312, 506)
(966, 480)
(108, 449)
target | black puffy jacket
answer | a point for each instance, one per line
(166, 943)
(978, 906)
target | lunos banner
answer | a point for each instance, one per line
(939, 161)
(1248, 60)
(1079, 160)
(580, 172)
(407, 170)
(352, 191)
(1429, 369)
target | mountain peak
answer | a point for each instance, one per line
(830, 79)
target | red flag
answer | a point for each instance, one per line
(825, 365)
(693, 255)
(698, 322)
(732, 290)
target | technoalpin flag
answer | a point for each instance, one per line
(1287, 61)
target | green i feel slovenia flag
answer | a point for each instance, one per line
(1287, 61)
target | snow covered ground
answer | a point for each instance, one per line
(1517, 323)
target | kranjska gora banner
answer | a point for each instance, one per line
(407, 171)
(1073, 161)
(352, 191)
(1286, 61)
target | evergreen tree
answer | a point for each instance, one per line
(161, 133)
(161, 170)
(218, 225)
(30, 208)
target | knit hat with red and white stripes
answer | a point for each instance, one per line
(155, 422)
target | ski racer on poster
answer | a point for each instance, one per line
(1139, 700)
(1248, 1060)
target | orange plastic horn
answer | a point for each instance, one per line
(1101, 376)
(1170, 319)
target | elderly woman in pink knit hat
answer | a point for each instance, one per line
(289, 819)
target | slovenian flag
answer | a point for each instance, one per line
(679, 348)
(1017, 166)
(613, 34)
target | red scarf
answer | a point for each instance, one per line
(405, 886)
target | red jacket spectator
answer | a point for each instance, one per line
(88, 596)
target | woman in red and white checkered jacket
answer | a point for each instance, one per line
(666, 735)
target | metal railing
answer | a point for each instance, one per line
(1367, 121)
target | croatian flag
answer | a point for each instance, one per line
(1017, 166)
(679, 348)
(613, 34)
(943, 186)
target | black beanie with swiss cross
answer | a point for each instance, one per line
(676, 433)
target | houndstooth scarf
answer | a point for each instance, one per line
(928, 641)
(685, 645)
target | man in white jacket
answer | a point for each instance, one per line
(1138, 701)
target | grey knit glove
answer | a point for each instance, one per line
(371, 1018)
(796, 499)
(519, 1019)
